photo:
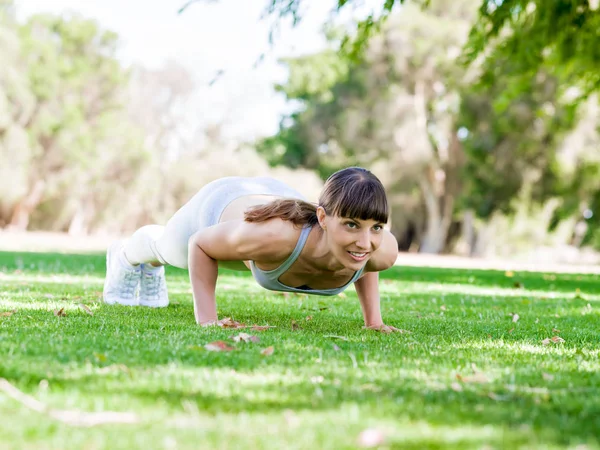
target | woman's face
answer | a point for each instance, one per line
(352, 241)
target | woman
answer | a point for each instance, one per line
(263, 225)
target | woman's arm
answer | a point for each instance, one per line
(235, 240)
(203, 272)
(367, 288)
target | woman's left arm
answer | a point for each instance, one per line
(367, 286)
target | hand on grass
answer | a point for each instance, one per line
(384, 328)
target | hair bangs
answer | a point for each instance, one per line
(364, 200)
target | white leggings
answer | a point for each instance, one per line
(169, 244)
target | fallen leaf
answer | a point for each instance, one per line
(227, 322)
(245, 337)
(370, 438)
(308, 318)
(511, 330)
(333, 336)
(518, 284)
(547, 376)
(456, 387)
(554, 330)
(443, 308)
(515, 318)
(295, 326)
(218, 346)
(546, 341)
(262, 327)
(509, 273)
(85, 308)
(475, 378)
(557, 339)
(60, 312)
(267, 351)
(8, 313)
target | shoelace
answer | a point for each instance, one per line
(129, 283)
(152, 286)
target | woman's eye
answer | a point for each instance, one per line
(351, 225)
(378, 228)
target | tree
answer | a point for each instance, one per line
(557, 36)
(396, 109)
(75, 80)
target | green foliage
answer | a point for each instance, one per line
(559, 36)
(515, 144)
(469, 372)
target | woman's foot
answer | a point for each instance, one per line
(122, 282)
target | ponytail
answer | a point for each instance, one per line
(296, 211)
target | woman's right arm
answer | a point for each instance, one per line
(231, 241)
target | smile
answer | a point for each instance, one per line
(358, 256)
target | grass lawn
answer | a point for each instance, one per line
(476, 370)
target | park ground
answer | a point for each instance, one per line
(492, 355)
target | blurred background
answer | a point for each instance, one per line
(481, 117)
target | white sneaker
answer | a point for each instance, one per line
(122, 279)
(153, 287)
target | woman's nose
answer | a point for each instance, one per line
(364, 240)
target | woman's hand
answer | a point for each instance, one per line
(385, 329)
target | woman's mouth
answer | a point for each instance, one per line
(358, 256)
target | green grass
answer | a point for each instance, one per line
(466, 376)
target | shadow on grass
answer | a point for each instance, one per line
(559, 417)
(76, 264)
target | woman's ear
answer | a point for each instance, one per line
(321, 215)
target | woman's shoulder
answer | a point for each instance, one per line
(385, 256)
(272, 239)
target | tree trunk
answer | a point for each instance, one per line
(22, 212)
(438, 220)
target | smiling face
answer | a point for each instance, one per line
(352, 210)
(351, 241)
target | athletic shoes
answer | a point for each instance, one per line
(122, 281)
(153, 287)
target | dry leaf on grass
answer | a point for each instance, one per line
(267, 351)
(245, 337)
(85, 308)
(228, 322)
(60, 312)
(547, 376)
(515, 318)
(262, 327)
(295, 326)
(8, 313)
(554, 339)
(554, 330)
(475, 378)
(456, 387)
(218, 346)
(370, 438)
(333, 336)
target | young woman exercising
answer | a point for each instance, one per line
(262, 225)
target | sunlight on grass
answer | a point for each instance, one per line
(469, 374)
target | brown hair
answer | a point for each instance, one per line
(353, 192)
